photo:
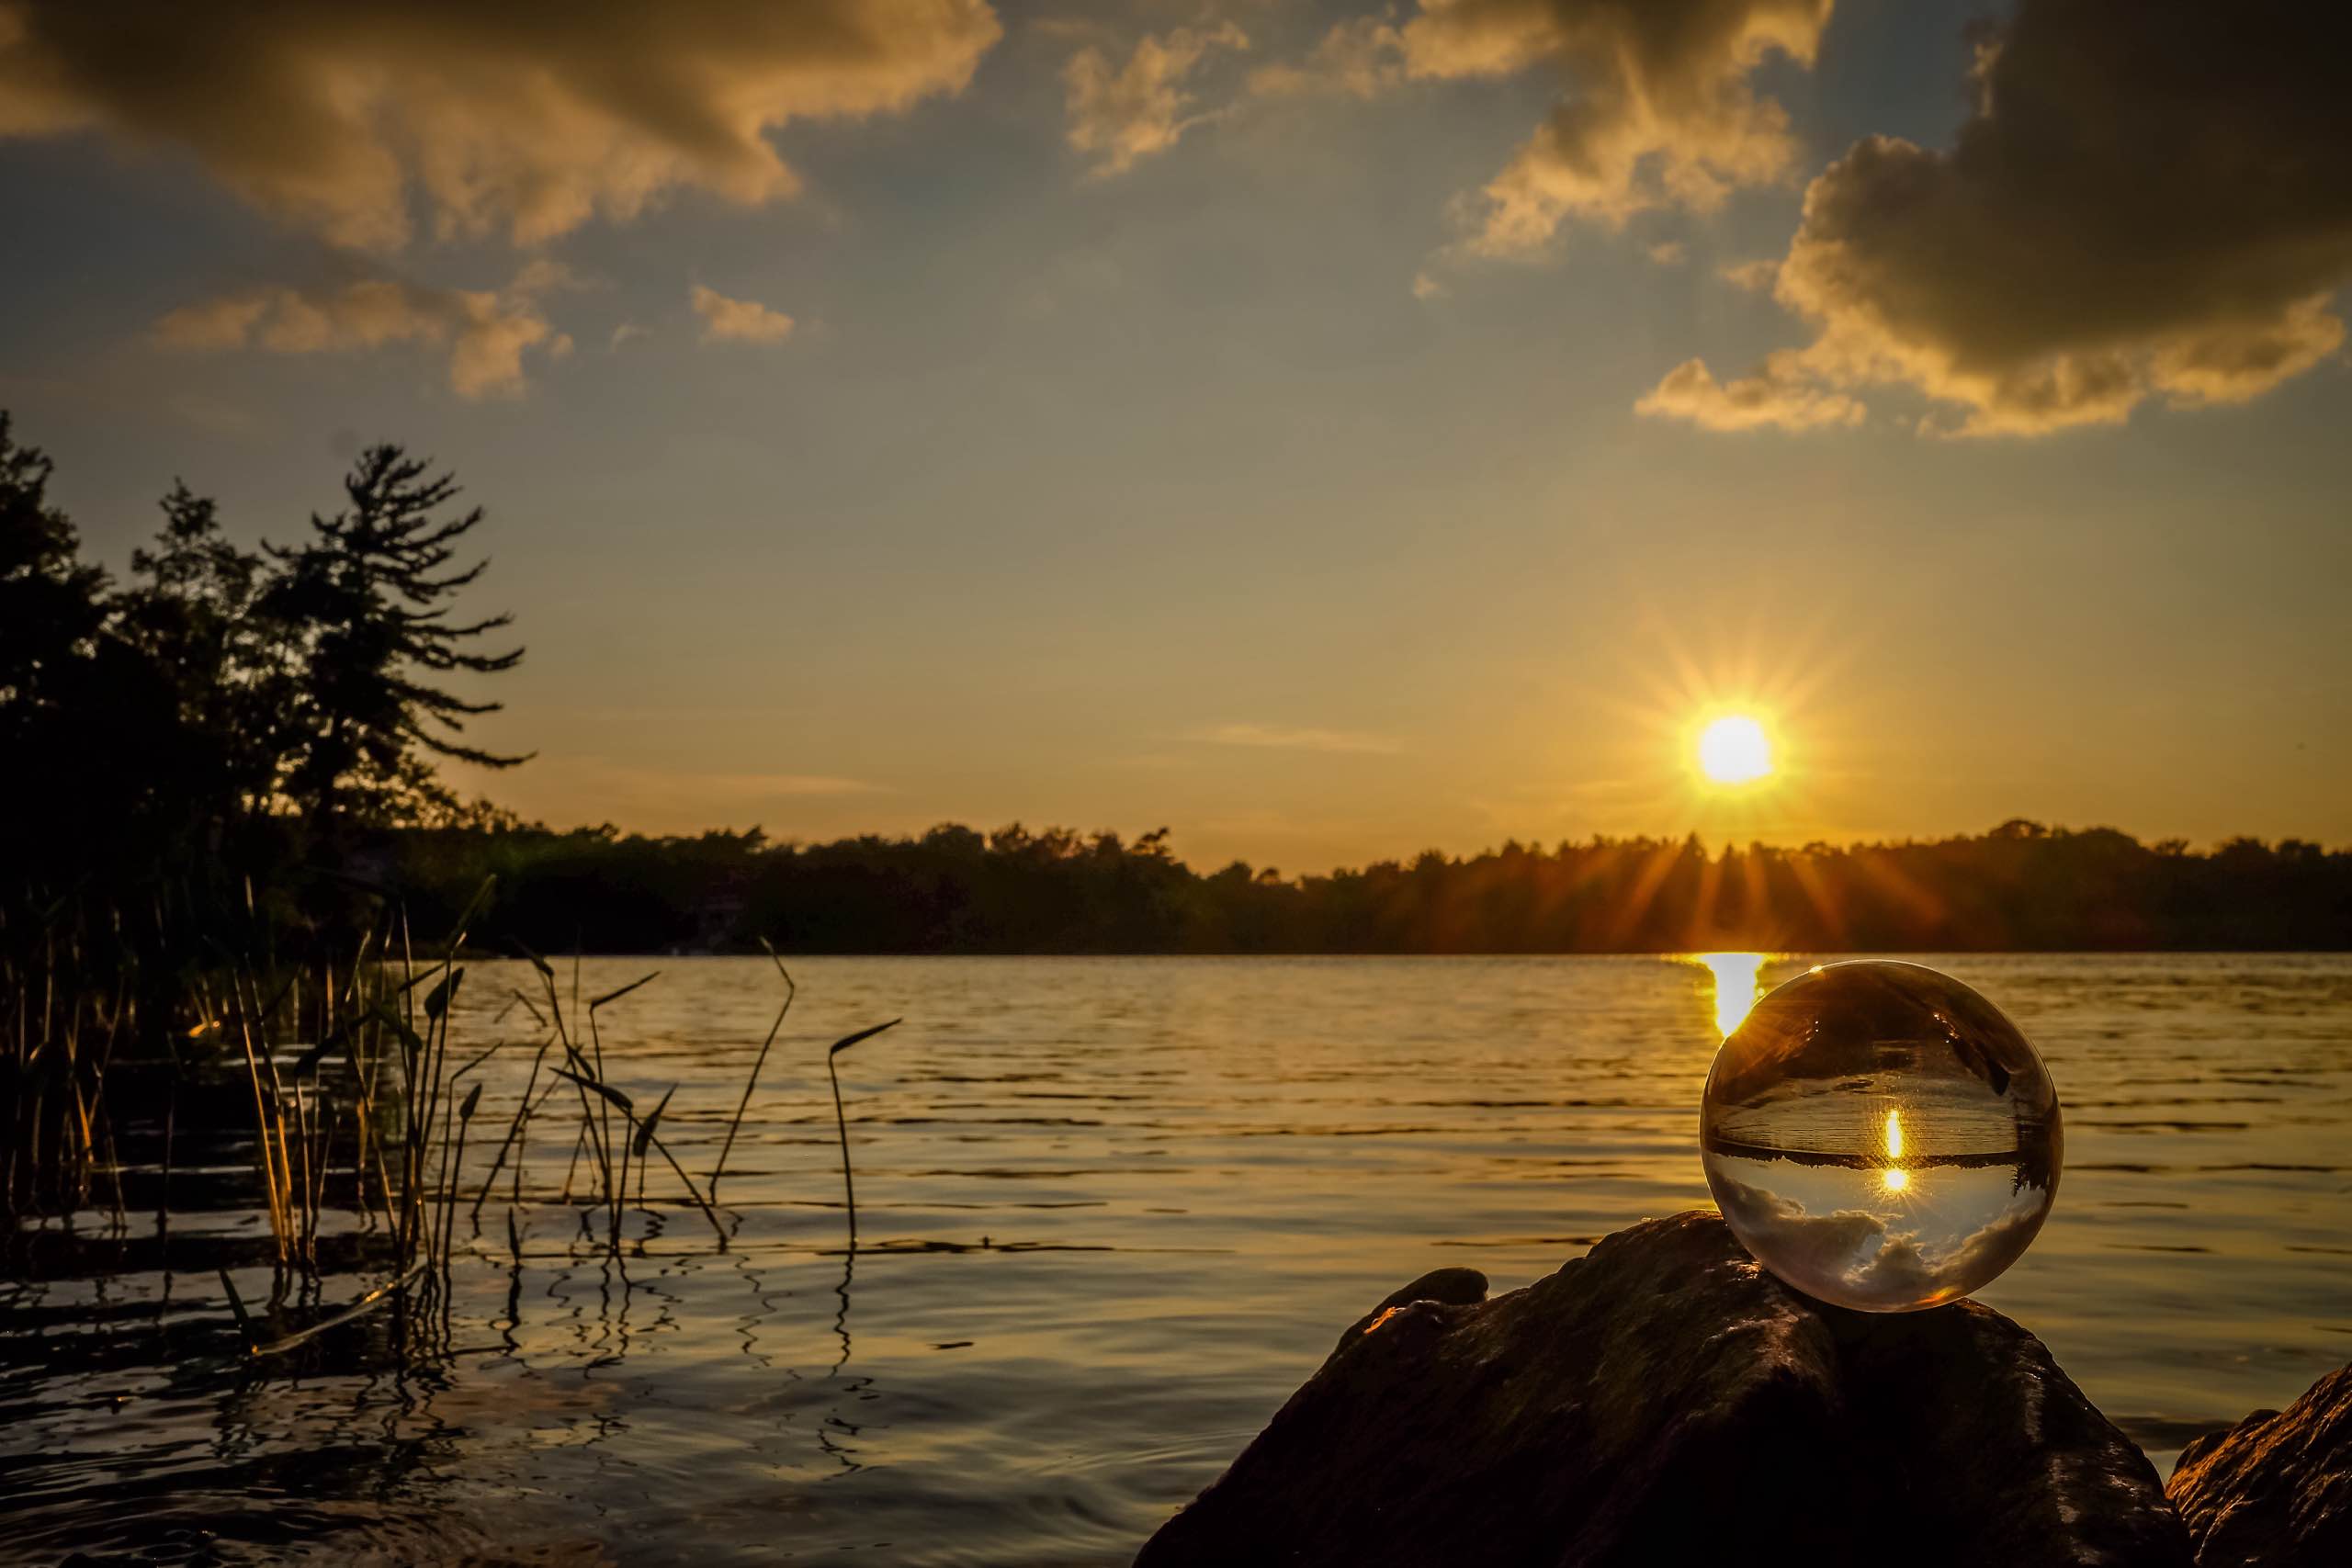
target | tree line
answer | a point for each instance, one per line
(953, 890)
(231, 754)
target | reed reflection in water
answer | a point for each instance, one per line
(1110, 1213)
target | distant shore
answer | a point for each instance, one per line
(2020, 887)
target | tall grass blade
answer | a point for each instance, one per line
(849, 1187)
(734, 1126)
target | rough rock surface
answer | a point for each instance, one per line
(2276, 1489)
(1662, 1401)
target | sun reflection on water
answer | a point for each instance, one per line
(1737, 985)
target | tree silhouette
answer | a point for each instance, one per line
(50, 601)
(194, 608)
(366, 603)
(72, 698)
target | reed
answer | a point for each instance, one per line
(309, 1035)
(841, 1122)
(751, 1083)
(361, 1096)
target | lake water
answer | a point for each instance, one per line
(1110, 1212)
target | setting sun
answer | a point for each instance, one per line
(1734, 749)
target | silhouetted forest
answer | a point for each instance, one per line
(229, 760)
(2022, 886)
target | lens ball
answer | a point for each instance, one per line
(1881, 1136)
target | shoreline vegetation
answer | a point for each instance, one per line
(2020, 887)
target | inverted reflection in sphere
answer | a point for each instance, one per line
(1881, 1136)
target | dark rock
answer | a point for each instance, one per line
(1663, 1401)
(2276, 1489)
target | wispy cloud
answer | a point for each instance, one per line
(790, 785)
(1780, 395)
(1119, 114)
(633, 781)
(1287, 738)
(738, 321)
(486, 331)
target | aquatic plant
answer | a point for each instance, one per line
(344, 1070)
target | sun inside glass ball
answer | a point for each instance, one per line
(1881, 1136)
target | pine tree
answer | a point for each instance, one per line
(50, 601)
(63, 784)
(366, 603)
(194, 608)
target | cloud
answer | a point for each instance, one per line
(624, 333)
(737, 321)
(1427, 285)
(1117, 116)
(1660, 110)
(545, 274)
(334, 116)
(1363, 57)
(1669, 253)
(1777, 397)
(1854, 1252)
(687, 799)
(794, 784)
(2152, 200)
(486, 332)
(1755, 277)
(1280, 737)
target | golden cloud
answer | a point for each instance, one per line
(2152, 200)
(1777, 397)
(1119, 115)
(486, 332)
(526, 120)
(1285, 737)
(1363, 57)
(1660, 111)
(737, 321)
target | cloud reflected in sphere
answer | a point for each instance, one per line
(1881, 1136)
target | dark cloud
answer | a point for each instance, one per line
(2152, 198)
(522, 118)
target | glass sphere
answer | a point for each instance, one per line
(1881, 1136)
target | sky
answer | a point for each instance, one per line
(1326, 432)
